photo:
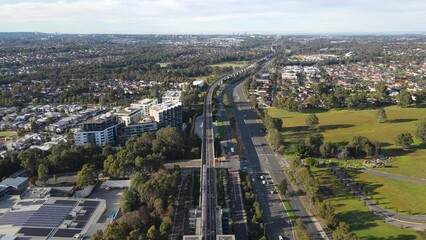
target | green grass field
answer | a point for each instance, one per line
(352, 211)
(230, 64)
(407, 197)
(342, 125)
(8, 134)
(163, 65)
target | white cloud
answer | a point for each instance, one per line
(162, 16)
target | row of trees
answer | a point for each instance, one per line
(60, 159)
(314, 146)
(252, 208)
(273, 128)
(301, 175)
(335, 97)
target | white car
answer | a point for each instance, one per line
(280, 237)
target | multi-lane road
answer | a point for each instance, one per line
(261, 159)
(209, 227)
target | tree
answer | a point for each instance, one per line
(312, 121)
(421, 130)
(42, 172)
(30, 158)
(226, 101)
(314, 141)
(301, 150)
(404, 140)
(311, 162)
(129, 201)
(329, 150)
(342, 233)
(326, 212)
(86, 176)
(152, 233)
(404, 99)
(33, 125)
(274, 138)
(381, 115)
(282, 186)
(164, 229)
(168, 142)
(300, 231)
(232, 122)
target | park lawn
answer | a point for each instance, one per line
(235, 64)
(163, 65)
(363, 223)
(406, 197)
(342, 125)
(8, 133)
(412, 164)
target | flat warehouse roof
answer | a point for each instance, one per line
(51, 218)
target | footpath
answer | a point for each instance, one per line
(416, 222)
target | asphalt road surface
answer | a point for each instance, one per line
(261, 158)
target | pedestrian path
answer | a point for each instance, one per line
(416, 222)
(395, 176)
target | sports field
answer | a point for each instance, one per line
(230, 64)
(8, 133)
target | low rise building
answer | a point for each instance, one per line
(17, 184)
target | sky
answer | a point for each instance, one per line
(213, 16)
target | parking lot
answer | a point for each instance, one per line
(112, 198)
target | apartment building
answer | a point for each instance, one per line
(99, 130)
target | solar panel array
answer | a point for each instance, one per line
(15, 218)
(48, 216)
(47, 219)
(37, 232)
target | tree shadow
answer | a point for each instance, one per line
(397, 151)
(399, 237)
(358, 220)
(334, 126)
(296, 129)
(314, 110)
(421, 146)
(402, 120)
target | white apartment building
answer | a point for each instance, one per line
(172, 96)
(144, 105)
(99, 130)
(167, 114)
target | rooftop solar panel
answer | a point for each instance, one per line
(48, 216)
(66, 233)
(65, 202)
(36, 232)
(38, 202)
(89, 203)
(15, 218)
(83, 217)
(24, 203)
(80, 224)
